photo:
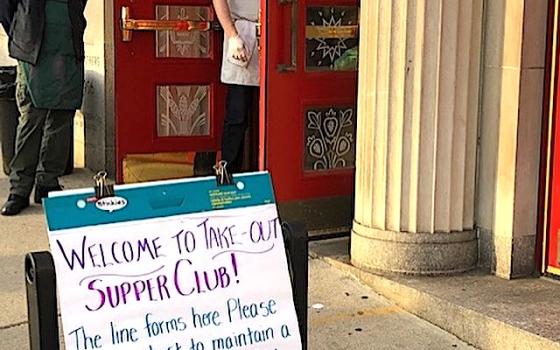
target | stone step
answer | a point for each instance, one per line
(480, 309)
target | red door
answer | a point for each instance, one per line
(552, 244)
(310, 93)
(167, 92)
(311, 106)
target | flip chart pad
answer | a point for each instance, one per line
(179, 264)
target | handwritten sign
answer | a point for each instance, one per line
(166, 271)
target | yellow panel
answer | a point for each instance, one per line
(151, 167)
(553, 270)
(177, 157)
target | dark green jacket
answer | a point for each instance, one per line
(24, 22)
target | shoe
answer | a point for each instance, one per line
(43, 192)
(14, 205)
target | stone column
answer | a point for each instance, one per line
(96, 117)
(417, 133)
(510, 138)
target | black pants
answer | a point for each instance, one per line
(239, 102)
(43, 141)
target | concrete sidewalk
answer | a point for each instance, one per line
(350, 315)
(482, 309)
(355, 317)
(18, 236)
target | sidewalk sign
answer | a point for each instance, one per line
(170, 265)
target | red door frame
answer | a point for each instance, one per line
(135, 108)
(549, 187)
(263, 65)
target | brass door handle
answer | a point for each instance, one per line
(331, 32)
(128, 25)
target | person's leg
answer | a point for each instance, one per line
(203, 163)
(238, 104)
(9, 115)
(54, 153)
(254, 132)
(28, 143)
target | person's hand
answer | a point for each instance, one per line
(236, 48)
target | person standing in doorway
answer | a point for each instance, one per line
(46, 38)
(240, 72)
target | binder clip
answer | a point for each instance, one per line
(102, 189)
(223, 177)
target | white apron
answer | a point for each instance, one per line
(246, 15)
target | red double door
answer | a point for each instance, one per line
(168, 97)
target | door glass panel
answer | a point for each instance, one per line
(182, 110)
(328, 47)
(330, 138)
(182, 44)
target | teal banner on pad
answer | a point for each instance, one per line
(159, 199)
